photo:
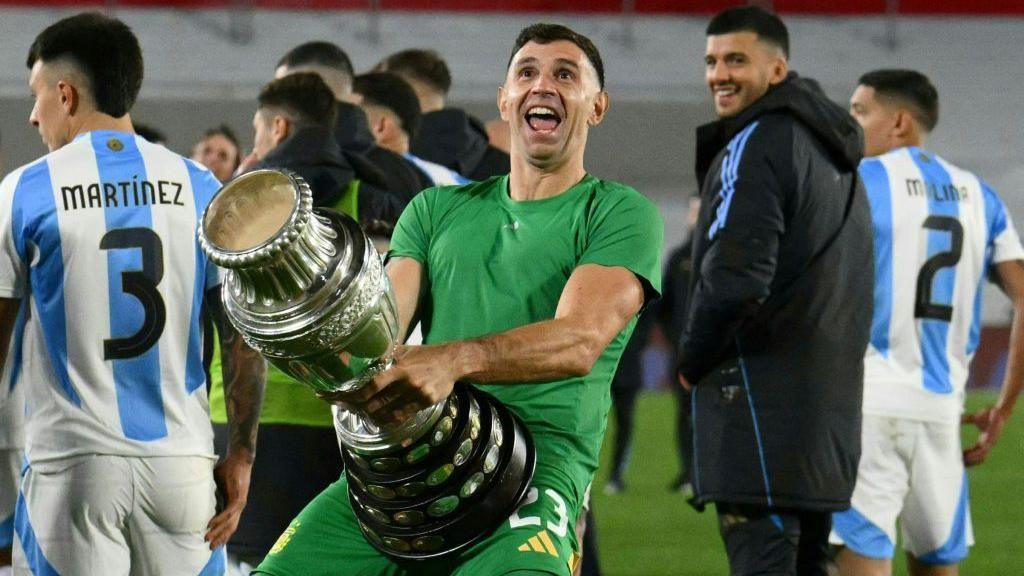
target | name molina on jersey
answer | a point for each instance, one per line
(939, 193)
(122, 194)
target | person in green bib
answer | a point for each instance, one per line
(526, 285)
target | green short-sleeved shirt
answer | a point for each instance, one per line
(494, 264)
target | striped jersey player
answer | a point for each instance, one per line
(98, 250)
(940, 232)
(98, 238)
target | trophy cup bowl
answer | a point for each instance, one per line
(306, 288)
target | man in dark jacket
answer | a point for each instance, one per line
(446, 135)
(374, 165)
(779, 314)
(294, 130)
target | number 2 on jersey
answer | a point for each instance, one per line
(924, 307)
(142, 284)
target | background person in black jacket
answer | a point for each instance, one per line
(779, 318)
(373, 164)
(670, 313)
(294, 130)
(446, 135)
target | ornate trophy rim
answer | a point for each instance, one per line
(280, 240)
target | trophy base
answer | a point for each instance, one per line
(456, 493)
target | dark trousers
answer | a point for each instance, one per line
(624, 405)
(591, 565)
(764, 541)
(684, 431)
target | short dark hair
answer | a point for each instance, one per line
(768, 27)
(318, 53)
(303, 96)
(149, 133)
(392, 92)
(543, 33)
(103, 49)
(420, 64)
(909, 87)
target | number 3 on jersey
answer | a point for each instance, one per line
(142, 284)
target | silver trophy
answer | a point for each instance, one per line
(307, 289)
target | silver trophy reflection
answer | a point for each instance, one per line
(307, 289)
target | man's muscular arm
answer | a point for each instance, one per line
(406, 276)
(244, 378)
(596, 303)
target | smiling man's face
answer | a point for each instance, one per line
(739, 69)
(550, 98)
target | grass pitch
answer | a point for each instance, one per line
(648, 531)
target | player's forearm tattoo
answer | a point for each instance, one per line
(244, 377)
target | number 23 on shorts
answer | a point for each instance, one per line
(549, 514)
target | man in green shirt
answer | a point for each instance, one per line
(528, 286)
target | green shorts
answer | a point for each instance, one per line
(324, 540)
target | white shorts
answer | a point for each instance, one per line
(910, 470)
(117, 516)
(10, 477)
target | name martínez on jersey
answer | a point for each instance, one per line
(122, 194)
(939, 193)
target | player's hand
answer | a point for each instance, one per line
(420, 377)
(990, 421)
(232, 478)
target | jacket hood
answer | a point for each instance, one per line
(313, 154)
(804, 100)
(352, 130)
(452, 138)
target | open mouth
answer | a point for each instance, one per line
(542, 119)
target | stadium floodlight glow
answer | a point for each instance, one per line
(306, 288)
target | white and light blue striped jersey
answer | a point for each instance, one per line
(438, 174)
(98, 238)
(938, 230)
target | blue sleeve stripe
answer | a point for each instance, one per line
(34, 217)
(137, 380)
(729, 176)
(995, 218)
(204, 186)
(876, 182)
